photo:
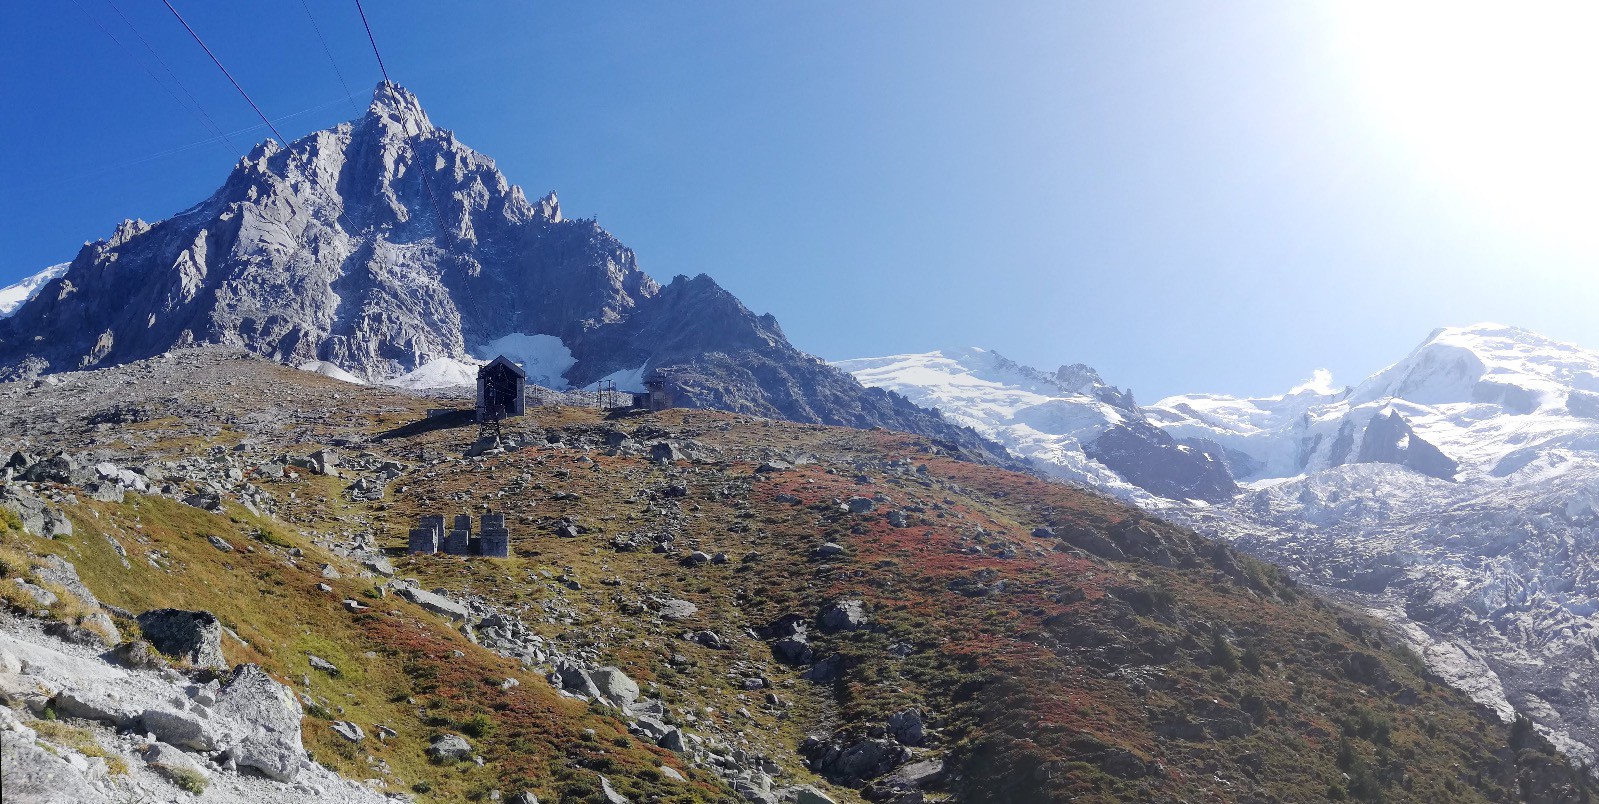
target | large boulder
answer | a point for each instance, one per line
(100, 703)
(851, 762)
(34, 775)
(184, 729)
(194, 636)
(38, 519)
(261, 724)
(615, 686)
(438, 604)
(58, 468)
(449, 748)
(843, 615)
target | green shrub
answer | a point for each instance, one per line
(478, 725)
(187, 780)
(1221, 652)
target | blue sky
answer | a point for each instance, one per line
(1189, 196)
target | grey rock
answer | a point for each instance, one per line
(854, 761)
(58, 468)
(104, 492)
(263, 730)
(319, 663)
(41, 596)
(34, 775)
(194, 636)
(1390, 439)
(609, 795)
(907, 727)
(75, 633)
(38, 518)
(1150, 458)
(806, 794)
(379, 566)
(31, 692)
(615, 686)
(438, 604)
(860, 505)
(793, 649)
(349, 731)
(573, 678)
(324, 462)
(828, 550)
(449, 748)
(184, 729)
(674, 609)
(138, 655)
(99, 705)
(172, 762)
(220, 543)
(843, 615)
(827, 670)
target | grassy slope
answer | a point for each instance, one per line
(1048, 672)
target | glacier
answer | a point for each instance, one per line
(1454, 493)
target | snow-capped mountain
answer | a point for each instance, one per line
(14, 296)
(1070, 424)
(386, 249)
(1455, 492)
(1472, 400)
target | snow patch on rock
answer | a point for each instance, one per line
(443, 372)
(18, 294)
(327, 369)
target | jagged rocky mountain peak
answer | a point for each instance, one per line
(387, 250)
(394, 107)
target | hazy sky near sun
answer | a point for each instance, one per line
(1189, 196)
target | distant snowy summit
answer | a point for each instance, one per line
(1478, 399)
(1069, 423)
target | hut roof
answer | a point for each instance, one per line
(502, 360)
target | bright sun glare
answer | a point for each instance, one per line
(1500, 100)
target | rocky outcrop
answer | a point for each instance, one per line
(193, 636)
(262, 718)
(1389, 439)
(1148, 457)
(36, 775)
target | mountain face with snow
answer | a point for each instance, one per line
(16, 295)
(1455, 492)
(387, 249)
(1070, 424)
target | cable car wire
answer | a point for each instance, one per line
(259, 113)
(174, 76)
(205, 119)
(329, 52)
(373, 40)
